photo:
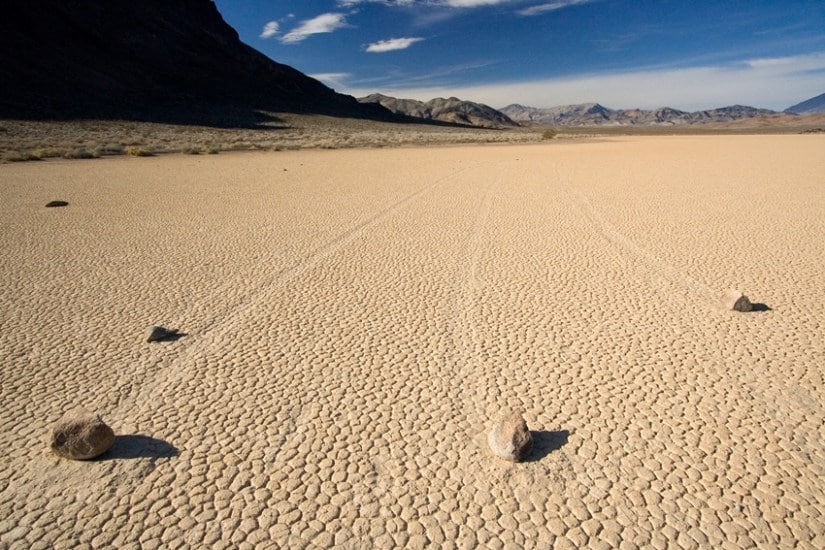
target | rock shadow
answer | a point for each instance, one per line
(760, 307)
(545, 442)
(171, 337)
(139, 446)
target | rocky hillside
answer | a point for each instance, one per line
(809, 106)
(170, 60)
(452, 110)
(593, 114)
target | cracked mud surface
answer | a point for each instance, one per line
(356, 320)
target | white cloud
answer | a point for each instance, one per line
(270, 29)
(772, 83)
(392, 44)
(324, 23)
(551, 6)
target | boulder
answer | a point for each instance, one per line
(159, 334)
(81, 435)
(510, 439)
(736, 301)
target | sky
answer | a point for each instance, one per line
(689, 55)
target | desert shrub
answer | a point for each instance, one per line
(212, 151)
(549, 134)
(111, 149)
(17, 156)
(140, 152)
(47, 153)
(80, 154)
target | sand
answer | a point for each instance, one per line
(356, 321)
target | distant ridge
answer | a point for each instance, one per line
(162, 60)
(452, 110)
(809, 106)
(594, 114)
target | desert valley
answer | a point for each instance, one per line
(297, 319)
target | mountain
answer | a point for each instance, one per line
(809, 106)
(593, 114)
(147, 60)
(451, 110)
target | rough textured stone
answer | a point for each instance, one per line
(81, 435)
(736, 301)
(159, 334)
(510, 439)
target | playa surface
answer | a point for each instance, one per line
(357, 320)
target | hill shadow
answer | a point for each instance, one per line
(226, 117)
(545, 442)
(139, 446)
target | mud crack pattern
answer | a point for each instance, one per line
(356, 320)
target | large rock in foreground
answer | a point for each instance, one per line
(736, 301)
(81, 435)
(510, 439)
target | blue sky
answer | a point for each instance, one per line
(621, 53)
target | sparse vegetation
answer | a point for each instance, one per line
(550, 133)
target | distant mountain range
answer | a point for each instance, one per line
(451, 110)
(585, 114)
(582, 115)
(809, 106)
(150, 60)
(593, 114)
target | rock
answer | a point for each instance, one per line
(54, 204)
(736, 301)
(510, 439)
(159, 334)
(81, 435)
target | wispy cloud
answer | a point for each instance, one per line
(324, 23)
(333, 80)
(392, 44)
(472, 3)
(550, 6)
(423, 3)
(429, 3)
(270, 29)
(774, 83)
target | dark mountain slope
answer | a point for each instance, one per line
(451, 110)
(809, 106)
(147, 60)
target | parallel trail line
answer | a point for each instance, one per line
(612, 235)
(222, 324)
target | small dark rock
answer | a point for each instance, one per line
(54, 204)
(736, 301)
(159, 334)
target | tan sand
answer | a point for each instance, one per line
(356, 321)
